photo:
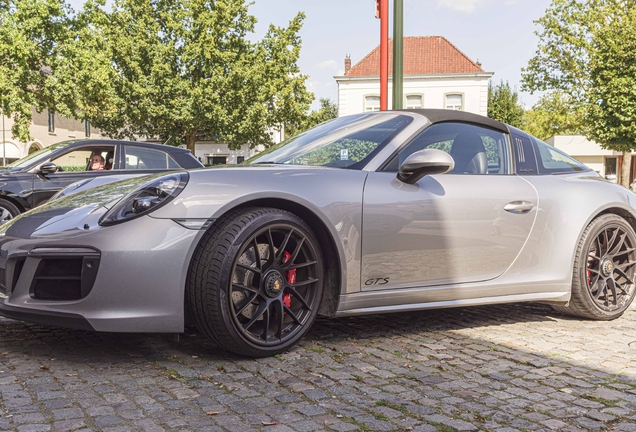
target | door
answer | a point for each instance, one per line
(465, 226)
(74, 165)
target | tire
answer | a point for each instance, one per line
(7, 211)
(603, 280)
(245, 298)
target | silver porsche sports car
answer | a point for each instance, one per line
(372, 213)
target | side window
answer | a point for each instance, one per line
(525, 159)
(86, 159)
(140, 158)
(475, 149)
(554, 161)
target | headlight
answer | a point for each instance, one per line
(146, 199)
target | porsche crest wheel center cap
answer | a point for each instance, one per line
(607, 266)
(274, 284)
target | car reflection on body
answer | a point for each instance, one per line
(34, 179)
(371, 213)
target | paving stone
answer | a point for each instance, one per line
(501, 368)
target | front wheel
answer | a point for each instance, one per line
(7, 211)
(256, 281)
(603, 280)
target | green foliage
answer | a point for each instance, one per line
(328, 110)
(32, 35)
(180, 70)
(504, 104)
(73, 168)
(586, 55)
(186, 70)
(554, 114)
(612, 94)
(566, 36)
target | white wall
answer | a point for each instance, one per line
(203, 150)
(65, 129)
(474, 87)
(578, 145)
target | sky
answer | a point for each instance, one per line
(498, 33)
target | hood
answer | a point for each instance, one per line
(73, 209)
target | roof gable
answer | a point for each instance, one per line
(423, 55)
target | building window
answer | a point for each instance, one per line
(51, 121)
(455, 102)
(217, 160)
(372, 103)
(87, 128)
(414, 102)
(240, 159)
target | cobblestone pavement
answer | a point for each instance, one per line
(506, 368)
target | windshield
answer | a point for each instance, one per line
(345, 142)
(38, 155)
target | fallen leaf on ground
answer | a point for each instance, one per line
(212, 413)
(270, 423)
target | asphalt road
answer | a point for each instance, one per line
(506, 368)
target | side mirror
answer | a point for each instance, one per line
(425, 162)
(48, 168)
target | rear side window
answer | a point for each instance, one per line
(554, 161)
(139, 158)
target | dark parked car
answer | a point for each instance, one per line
(34, 179)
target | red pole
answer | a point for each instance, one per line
(384, 55)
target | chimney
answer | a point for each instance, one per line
(478, 63)
(347, 63)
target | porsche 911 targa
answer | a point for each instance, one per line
(372, 213)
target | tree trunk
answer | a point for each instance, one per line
(190, 140)
(626, 169)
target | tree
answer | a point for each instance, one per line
(553, 115)
(504, 104)
(612, 94)
(50, 58)
(186, 70)
(567, 40)
(30, 37)
(328, 110)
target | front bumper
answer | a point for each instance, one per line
(138, 285)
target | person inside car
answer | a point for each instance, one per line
(97, 163)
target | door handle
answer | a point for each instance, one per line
(518, 207)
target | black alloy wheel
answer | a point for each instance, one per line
(603, 280)
(256, 281)
(611, 264)
(273, 287)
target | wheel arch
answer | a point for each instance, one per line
(335, 267)
(12, 200)
(628, 214)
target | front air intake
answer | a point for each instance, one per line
(64, 278)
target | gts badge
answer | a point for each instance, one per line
(377, 281)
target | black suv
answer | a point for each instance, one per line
(34, 179)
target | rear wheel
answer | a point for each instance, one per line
(256, 281)
(603, 282)
(7, 211)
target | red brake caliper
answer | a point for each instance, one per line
(291, 278)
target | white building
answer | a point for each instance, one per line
(436, 75)
(46, 128)
(605, 162)
(49, 128)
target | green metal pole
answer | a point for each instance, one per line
(4, 145)
(398, 54)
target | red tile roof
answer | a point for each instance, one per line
(423, 55)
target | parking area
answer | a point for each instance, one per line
(511, 367)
